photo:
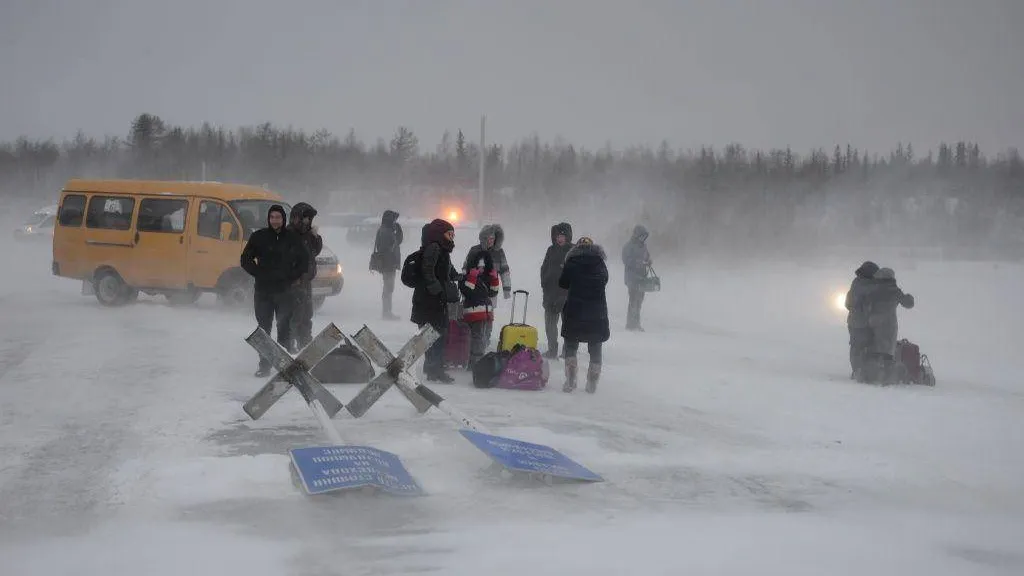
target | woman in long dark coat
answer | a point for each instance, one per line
(585, 314)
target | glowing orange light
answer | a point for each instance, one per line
(453, 215)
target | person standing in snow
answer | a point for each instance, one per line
(387, 258)
(492, 238)
(275, 257)
(585, 315)
(435, 290)
(300, 222)
(478, 288)
(550, 272)
(636, 259)
(857, 317)
(882, 297)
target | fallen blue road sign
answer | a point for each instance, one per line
(330, 468)
(526, 457)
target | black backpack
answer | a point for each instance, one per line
(488, 368)
(411, 269)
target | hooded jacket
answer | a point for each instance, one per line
(497, 254)
(585, 278)
(276, 259)
(551, 267)
(864, 277)
(387, 253)
(436, 287)
(636, 257)
(309, 237)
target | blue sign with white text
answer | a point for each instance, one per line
(526, 457)
(329, 468)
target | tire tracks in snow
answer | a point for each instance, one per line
(69, 419)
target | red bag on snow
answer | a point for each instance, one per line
(912, 366)
(456, 349)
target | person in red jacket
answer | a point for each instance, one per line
(479, 287)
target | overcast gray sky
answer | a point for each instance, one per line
(762, 72)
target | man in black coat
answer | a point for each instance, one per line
(387, 257)
(300, 222)
(585, 314)
(275, 257)
(550, 271)
(435, 290)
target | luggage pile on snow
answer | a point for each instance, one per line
(912, 367)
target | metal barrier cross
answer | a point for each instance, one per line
(394, 367)
(293, 371)
(322, 469)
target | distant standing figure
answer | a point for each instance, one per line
(550, 272)
(636, 259)
(275, 258)
(387, 258)
(857, 317)
(585, 315)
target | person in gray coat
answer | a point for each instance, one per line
(857, 317)
(636, 259)
(882, 298)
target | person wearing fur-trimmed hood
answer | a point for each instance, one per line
(492, 239)
(585, 314)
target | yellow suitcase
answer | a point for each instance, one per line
(517, 333)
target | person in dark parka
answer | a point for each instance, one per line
(857, 317)
(387, 258)
(275, 257)
(585, 314)
(635, 258)
(300, 221)
(882, 299)
(550, 271)
(435, 289)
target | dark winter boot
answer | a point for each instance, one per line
(263, 371)
(593, 375)
(570, 374)
(552, 352)
(440, 376)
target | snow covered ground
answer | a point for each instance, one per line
(731, 439)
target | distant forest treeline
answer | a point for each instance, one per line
(953, 197)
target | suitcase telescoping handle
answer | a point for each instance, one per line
(512, 319)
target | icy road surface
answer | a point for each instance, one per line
(730, 437)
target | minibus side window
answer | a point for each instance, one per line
(72, 210)
(110, 212)
(162, 215)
